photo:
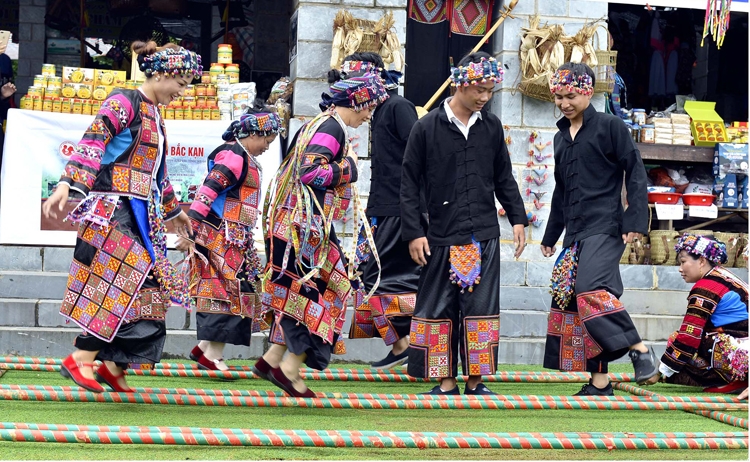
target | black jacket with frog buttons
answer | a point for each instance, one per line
(461, 178)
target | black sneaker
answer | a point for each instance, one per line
(391, 360)
(591, 390)
(438, 391)
(643, 365)
(480, 389)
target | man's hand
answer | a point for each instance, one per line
(631, 237)
(419, 249)
(519, 239)
(7, 90)
(548, 251)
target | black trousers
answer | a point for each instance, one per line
(448, 323)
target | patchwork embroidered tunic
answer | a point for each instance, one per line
(307, 284)
(388, 312)
(120, 274)
(588, 325)
(462, 172)
(225, 271)
(698, 354)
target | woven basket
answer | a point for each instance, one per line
(732, 241)
(662, 247)
(635, 252)
(371, 42)
(740, 261)
(535, 89)
(606, 67)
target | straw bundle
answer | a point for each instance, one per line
(351, 35)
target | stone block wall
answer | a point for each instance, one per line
(31, 41)
(522, 114)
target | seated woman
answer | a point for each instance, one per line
(703, 351)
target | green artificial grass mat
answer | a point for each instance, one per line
(350, 419)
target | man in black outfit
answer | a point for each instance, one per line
(457, 157)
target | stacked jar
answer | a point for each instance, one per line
(224, 95)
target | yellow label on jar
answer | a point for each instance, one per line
(187, 113)
(86, 108)
(77, 106)
(169, 113)
(66, 106)
(36, 91)
(179, 114)
(27, 103)
(37, 103)
(53, 92)
(206, 113)
(100, 93)
(224, 54)
(69, 90)
(215, 113)
(56, 105)
(40, 81)
(47, 105)
(48, 70)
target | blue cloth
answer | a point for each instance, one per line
(730, 309)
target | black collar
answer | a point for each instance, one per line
(564, 124)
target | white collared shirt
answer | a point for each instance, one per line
(452, 117)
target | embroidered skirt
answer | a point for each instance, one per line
(227, 307)
(448, 322)
(387, 314)
(708, 368)
(317, 306)
(593, 328)
(112, 293)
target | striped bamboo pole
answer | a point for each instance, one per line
(714, 415)
(330, 438)
(341, 395)
(457, 402)
(347, 375)
(243, 431)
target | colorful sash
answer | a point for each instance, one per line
(564, 276)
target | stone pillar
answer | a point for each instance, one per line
(31, 42)
(523, 114)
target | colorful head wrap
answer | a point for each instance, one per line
(486, 70)
(171, 62)
(352, 68)
(357, 93)
(566, 80)
(262, 123)
(701, 246)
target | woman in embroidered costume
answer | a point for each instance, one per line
(710, 349)
(225, 269)
(309, 279)
(588, 325)
(387, 314)
(121, 282)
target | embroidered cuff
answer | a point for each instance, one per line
(78, 178)
(171, 209)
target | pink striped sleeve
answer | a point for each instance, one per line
(327, 141)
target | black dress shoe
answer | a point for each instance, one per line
(438, 391)
(480, 389)
(391, 360)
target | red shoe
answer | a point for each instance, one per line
(104, 375)
(732, 388)
(71, 369)
(282, 381)
(262, 369)
(196, 353)
(210, 365)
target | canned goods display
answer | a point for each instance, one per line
(54, 81)
(190, 90)
(36, 91)
(639, 116)
(68, 90)
(66, 106)
(86, 108)
(233, 71)
(56, 105)
(77, 107)
(52, 91)
(37, 103)
(100, 93)
(27, 103)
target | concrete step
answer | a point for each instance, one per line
(33, 284)
(58, 342)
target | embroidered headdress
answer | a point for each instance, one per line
(701, 246)
(171, 62)
(357, 93)
(352, 68)
(564, 79)
(486, 70)
(263, 124)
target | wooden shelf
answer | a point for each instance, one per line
(721, 209)
(676, 153)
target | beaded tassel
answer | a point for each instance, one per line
(466, 265)
(564, 276)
